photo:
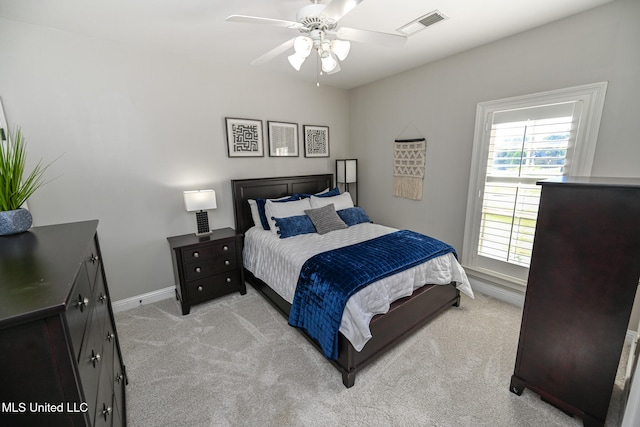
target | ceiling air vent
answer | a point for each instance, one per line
(422, 23)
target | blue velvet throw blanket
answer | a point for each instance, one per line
(328, 279)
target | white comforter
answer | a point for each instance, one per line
(278, 262)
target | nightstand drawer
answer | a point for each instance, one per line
(204, 268)
(213, 286)
(209, 251)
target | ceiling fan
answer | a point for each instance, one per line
(318, 26)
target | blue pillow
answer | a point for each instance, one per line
(294, 226)
(260, 203)
(333, 192)
(353, 216)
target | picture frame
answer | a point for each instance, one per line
(244, 137)
(316, 141)
(283, 139)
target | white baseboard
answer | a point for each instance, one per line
(517, 298)
(498, 292)
(133, 302)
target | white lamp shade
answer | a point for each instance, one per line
(340, 48)
(347, 171)
(199, 200)
(329, 64)
(302, 45)
(296, 61)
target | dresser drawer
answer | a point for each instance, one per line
(101, 302)
(104, 401)
(210, 251)
(90, 363)
(213, 286)
(92, 261)
(79, 310)
(207, 267)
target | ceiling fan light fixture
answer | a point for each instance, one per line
(340, 48)
(296, 61)
(328, 63)
(302, 45)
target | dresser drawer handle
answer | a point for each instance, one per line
(196, 254)
(225, 248)
(200, 288)
(119, 377)
(197, 269)
(102, 298)
(110, 336)
(106, 411)
(82, 302)
(94, 258)
(228, 279)
(226, 262)
(95, 358)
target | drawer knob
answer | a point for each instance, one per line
(119, 377)
(198, 270)
(83, 302)
(200, 288)
(102, 298)
(95, 358)
(228, 279)
(225, 248)
(110, 336)
(226, 262)
(94, 258)
(106, 411)
(196, 254)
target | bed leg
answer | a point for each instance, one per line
(456, 303)
(349, 379)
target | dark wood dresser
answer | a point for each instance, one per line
(60, 358)
(582, 282)
(206, 267)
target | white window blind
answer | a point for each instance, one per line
(518, 142)
(525, 146)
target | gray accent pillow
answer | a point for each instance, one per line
(325, 219)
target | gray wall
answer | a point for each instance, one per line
(134, 128)
(438, 101)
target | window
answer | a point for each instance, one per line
(519, 141)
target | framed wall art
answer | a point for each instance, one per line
(244, 137)
(283, 139)
(316, 141)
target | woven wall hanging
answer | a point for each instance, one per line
(409, 158)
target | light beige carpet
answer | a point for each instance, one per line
(235, 361)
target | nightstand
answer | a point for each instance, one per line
(206, 267)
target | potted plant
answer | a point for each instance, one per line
(16, 186)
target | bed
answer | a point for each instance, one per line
(404, 316)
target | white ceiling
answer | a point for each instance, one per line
(198, 28)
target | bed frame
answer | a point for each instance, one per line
(405, 315)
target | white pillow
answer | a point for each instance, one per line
(255, 215)
(284, 210)
(343, 201)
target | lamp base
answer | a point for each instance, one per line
(202, 222)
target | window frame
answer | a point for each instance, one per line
(580, 158)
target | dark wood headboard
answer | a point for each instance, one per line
(271, 188)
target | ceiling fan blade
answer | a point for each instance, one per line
(365, 36)
(274, 52)
(336, 9)
(268, 21)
